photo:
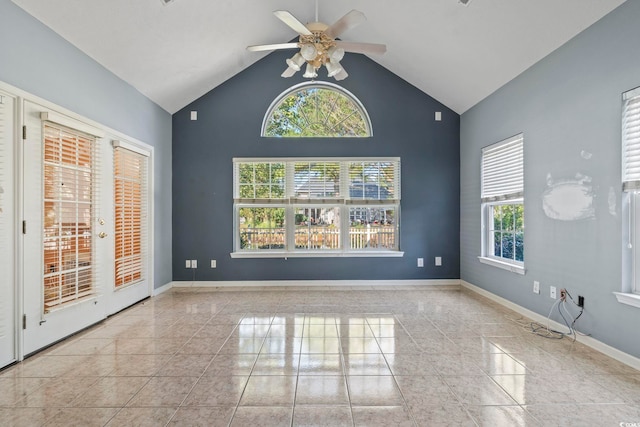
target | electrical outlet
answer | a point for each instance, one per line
(194, 263)
(213, 263)
(187, 264)
(580, 301)
(420, 262)
(438, 261)
(552, 292)
(536, 287)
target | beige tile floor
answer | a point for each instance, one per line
(318, 357)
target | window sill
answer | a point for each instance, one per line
(503, 265)
(629, 299)
(317, 254)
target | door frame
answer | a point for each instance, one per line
(20, 97)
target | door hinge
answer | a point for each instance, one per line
(24, 321)
(24, 132)
(24, 227)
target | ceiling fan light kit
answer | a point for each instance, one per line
(318, 46)
(296, 61)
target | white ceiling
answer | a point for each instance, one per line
(458, 54)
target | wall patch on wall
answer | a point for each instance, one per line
(569, 199)
(586, 155)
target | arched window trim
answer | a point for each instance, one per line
(319, 84)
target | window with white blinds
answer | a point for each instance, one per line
(502, 194)
(69, 201)
(503, 170)
(631, 140)
(316, 205)
(131, 205)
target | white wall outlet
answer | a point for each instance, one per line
(438, 261)
(438, 116)
(213, 263)
(194, 263)
(187, 264)
(552, 292)
(194, 115)
(536, 287)
(420, 262)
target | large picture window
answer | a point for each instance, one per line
(502, 197)
(316, 207)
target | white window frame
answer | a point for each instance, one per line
(502, 183)
(290, 203)
(630, 292)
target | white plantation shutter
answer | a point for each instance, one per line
(503, 170)
(631, 140)
(131, 209)
(373, 181)
(70, 199)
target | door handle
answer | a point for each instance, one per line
(102, 235)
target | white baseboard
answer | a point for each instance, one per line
(606, 349)
(162, 289)
(317, 283)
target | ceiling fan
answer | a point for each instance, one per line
(318, 45)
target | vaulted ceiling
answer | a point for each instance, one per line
(177, 52)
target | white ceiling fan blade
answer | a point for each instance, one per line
(366, 48)
(348, 21)
(292, 22)
(278, 46)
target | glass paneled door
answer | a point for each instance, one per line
(130, 265)
(65, 250)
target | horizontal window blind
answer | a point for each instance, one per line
(631, 140)
(317, 181)
(70, 184)
(130, 200)
(374, 181)
(503, 170)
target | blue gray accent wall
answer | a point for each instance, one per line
(569, 107)
(37, 60)
(228, 126)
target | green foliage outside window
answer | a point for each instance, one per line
(317, 111)
(508, 231)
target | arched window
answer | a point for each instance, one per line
(316, 109)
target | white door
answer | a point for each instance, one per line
(8, 227)
(130, 275)
(65, 247)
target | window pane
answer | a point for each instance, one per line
(317, 110)
(506, 238)
(497, 217)
(372, 180)
(316, 180)
(519, 252)
(317, 228)
(497, 244)
(508, 246)
(246, 173)
(261, 180)
(261, 228)
(372, 228)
